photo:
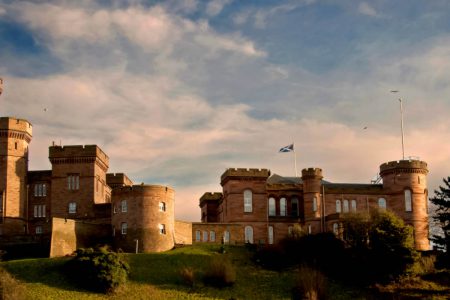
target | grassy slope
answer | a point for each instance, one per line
(156, 276)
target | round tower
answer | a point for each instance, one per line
(15, 136)
(405, 184)
(312, 184)
(143, 216)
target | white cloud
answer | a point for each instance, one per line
(2, 11)
(214, 7)
(365, 9)
(262, 15)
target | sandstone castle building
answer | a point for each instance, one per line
(257, 207)
(77, 203)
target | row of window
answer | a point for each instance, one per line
(40, 190)
(39, 211)
(211, 237)
(124, 228)
(73, 182)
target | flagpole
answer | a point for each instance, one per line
(295, 160)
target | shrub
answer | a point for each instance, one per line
(272, 257)
(10, 288)
(220, 273)
(187, 276)
(101, 270)
(311, 284)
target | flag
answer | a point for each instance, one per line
(287, 148)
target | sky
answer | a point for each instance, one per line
(177, 91)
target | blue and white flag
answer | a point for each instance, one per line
(287, 148)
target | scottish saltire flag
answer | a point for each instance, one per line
(287, 148)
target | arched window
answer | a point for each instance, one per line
(270, 233)
(72, 208)
(197, 235)
(249, 234)
(212, 236)
(309, 229)
(205, 236)
(382, 203)
(248, 206)
(408, 200)
(336, 228)
(272, 209)
(226, 236)
(283, 207)
(294, 207)
(315, 204)
(345, 206)
(353, 205)
(124, 228)
(338, 206)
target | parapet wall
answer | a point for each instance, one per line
(118, 180)
(404, 166)
(243, 172)
(19, 125)
(312, 172)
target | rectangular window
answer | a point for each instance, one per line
(226, 237)
(73, 181)
(124, 206)
(212, 236)
(162, 229)
(38, 229)
(114, 209)
(248, 207)
(124, 228)
(40, 190)
(408, 200)
(162, 206)
(205, 236)
(39, 211)
(72, 208)
(197, 235)
(315, 204)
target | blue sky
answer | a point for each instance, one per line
(177, 91)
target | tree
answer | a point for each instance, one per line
(441, 200)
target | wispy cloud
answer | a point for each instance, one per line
(365, 9)
(214, 7)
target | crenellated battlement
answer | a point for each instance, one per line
(312, 172)
(208, 196)
(243, 172)
(404, 166)
(22, 128)
(146, 188)
(74, 152)
(118, 179)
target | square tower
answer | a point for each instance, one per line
(78, 181)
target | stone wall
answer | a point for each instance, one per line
(183, 233)
(69, 235)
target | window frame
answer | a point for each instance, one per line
(123, 206)
(338, 206)
(248, 201)
(382, 203)
(72, 207)
(270, 235)
(162, 229)
(124, 228)
(283, 206)
(408, 200)
(272, 207)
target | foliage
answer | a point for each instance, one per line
(311, 284)
(100, 269)
(187, 276)
(356, 230)
(10, 288)
(441, 200)
(220, 273)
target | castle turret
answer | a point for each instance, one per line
(143, 217)
(312, 184)
(15, 136)
(405, 183)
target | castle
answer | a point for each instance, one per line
(257, 207)
(77, 200)
(77, 203)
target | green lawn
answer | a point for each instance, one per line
(156, 276)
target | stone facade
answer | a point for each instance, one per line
(266, 207)
(77, 202)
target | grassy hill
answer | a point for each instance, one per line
(157, 276)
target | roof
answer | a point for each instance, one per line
(277, 179)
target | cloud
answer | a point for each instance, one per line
(365, 9)
(2, 11)
(262, 15)
(214, 7)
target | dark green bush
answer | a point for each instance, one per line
(220, 273)
(100, 269)
(187, 276)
